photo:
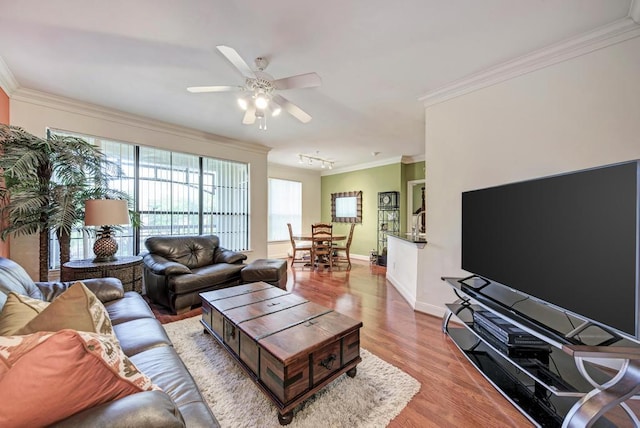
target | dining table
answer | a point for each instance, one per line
(318, 238)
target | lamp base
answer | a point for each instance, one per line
(105, 249)
(104, 259)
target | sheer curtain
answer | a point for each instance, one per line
(285, 206)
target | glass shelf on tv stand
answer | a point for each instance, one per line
(544, 383)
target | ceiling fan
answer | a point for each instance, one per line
(260, 88)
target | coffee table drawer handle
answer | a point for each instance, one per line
(231, 332)
(327, 363)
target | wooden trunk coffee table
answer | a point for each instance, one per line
(290, 347)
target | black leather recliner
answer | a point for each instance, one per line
(178, 268)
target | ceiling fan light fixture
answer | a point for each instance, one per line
(242, 102)
(261, 101)
(260, 88)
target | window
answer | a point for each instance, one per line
(175, 194)
(285, 206)
(169, 193)
(226, 202)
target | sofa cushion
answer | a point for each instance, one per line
(205, 277)
(131, 307)
(105, 289)
(82, 369)
(191, 251)
(76, 309)
(18, 311)
(14, 278)
(166, 369)
(138, 335)
(223, 255)
(147, 409)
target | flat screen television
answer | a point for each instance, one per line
(571, 240)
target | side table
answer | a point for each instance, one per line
(127, 269)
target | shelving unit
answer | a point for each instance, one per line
(388, 221)
(551, 385)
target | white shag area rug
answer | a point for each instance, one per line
(376, 395)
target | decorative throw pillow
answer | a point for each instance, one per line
(18, 310)
(46, 377)
(77, 308)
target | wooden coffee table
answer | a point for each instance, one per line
(290, 347)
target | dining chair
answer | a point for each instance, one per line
(321, 249)
(344, 258)
(297, 247)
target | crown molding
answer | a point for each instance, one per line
(94, 111)
(381, 162)
(634, 11)
(374, 164)
(607, 35)
(8, 82)
(413, 159)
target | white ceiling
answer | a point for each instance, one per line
(376, 59)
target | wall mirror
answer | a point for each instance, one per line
(415, 204)
(346, 207)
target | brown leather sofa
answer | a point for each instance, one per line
(144, 341)
(178, 268)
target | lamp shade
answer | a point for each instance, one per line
(101, 212)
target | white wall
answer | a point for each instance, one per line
(580, 113)
(35, 111)
(310, 201)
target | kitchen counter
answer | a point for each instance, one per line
(406, 261)
(420, 238)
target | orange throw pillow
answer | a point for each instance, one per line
(46, 377)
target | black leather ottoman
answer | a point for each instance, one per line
(272, 271)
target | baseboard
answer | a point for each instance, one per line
(279, 256)
(429, 309)
(404, 293)
(359, 257)
(426, 308)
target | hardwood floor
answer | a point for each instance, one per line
(453, 392)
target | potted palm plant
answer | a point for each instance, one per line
(46, 182)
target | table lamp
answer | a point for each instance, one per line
(105, 213)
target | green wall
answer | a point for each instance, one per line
(370, 181)
(414, 171)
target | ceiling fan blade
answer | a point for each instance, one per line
(293, 109)
(236, 60)
(250, 115)
(197, 89)
(308, 80)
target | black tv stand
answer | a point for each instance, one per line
(555, 386)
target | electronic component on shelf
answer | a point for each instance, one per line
(504, 331)
(539, 352)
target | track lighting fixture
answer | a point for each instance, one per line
(324, 163)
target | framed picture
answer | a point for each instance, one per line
(346, 207)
